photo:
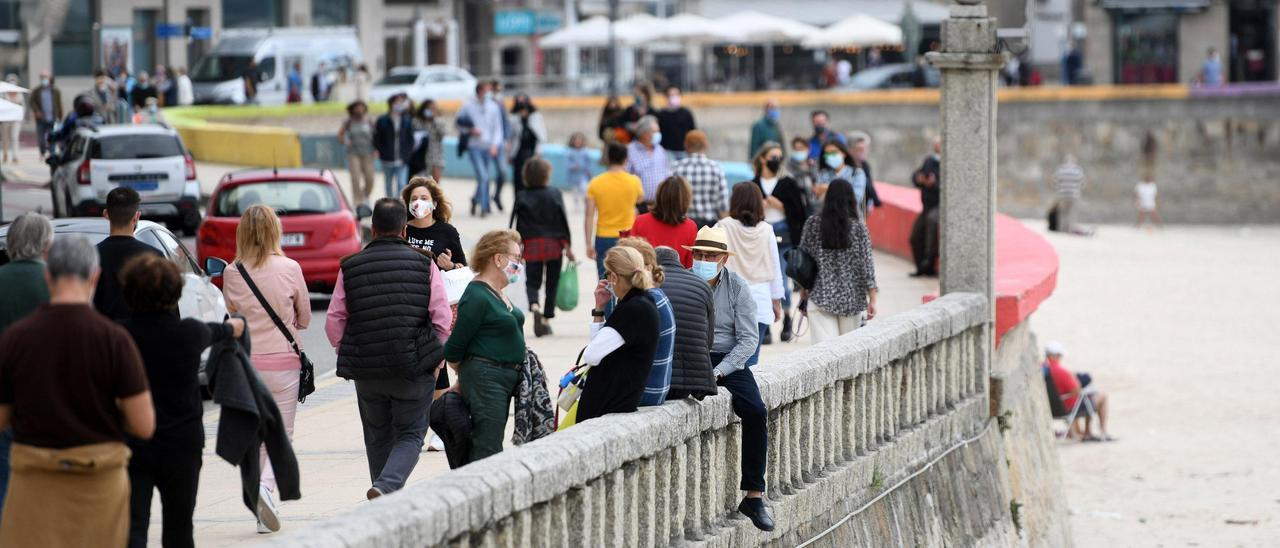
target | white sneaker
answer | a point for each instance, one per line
(268, 518)
(436, 444)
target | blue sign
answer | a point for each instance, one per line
(202, 33)
(514, 23)
(525, 22)
(547, 22)
(170, 30)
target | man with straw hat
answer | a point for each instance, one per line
(735, 348)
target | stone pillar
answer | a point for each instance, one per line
(969, 61)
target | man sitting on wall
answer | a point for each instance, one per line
(1070, 388)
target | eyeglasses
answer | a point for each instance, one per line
(699, 255)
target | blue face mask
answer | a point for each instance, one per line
(657, 138)
(773, 114)
(799, 155)
(707, 270)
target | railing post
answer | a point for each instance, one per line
(969, 60)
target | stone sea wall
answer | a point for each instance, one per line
(882, 437)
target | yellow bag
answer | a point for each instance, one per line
(570, 418)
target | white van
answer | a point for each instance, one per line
(218, 77)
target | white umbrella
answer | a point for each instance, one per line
(6, 87)
(689, 27)
(638, 29)
(593, 32)
(758, 28)
(10, 112)
(858, 30)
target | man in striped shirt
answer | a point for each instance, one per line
(1068, 182)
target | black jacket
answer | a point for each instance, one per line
(872, 197)
(694, 309)
(385, 135)
(249, 419)
(794, 204)
(930, 197)
(539, 213)
(389, 334)
(617, 383)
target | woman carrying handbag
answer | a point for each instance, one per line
(268, 289)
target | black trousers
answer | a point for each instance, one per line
(749, 407)
(924, 240)
(533, 283)
(176, 474)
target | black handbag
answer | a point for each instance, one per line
(307, 376)
(801, 267)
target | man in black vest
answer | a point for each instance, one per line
(388, 317)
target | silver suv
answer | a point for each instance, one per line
(151, 159)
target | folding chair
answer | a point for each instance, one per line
(1060, 411)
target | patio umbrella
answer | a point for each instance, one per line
(639, 29)
(753, 27)
(858, 30)
(689, 27)
(591, 33)
(10, 112)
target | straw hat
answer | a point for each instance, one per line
(711, 239)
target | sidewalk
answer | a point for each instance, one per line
(328, 438)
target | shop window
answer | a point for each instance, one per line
(252, 13)
(1146, 47)
(73, 44)
(331, 13)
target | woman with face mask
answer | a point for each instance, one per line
(487, 345)
(838, 163)
(429, 228)
(621, 348)
(785, 209)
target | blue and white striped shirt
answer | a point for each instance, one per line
(659, 382)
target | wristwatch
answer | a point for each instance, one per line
(597, 313)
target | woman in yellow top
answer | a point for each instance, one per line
(611, 205)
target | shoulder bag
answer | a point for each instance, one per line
(801, 267)
(307, 376)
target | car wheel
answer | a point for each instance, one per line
(191, 223)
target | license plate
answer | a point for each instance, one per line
(293, 240)
(143, 186)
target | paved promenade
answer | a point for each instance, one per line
(328, 437)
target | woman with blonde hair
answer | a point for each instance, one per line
(261, 263)
(429, 228)
(622, 348)
(487, 348)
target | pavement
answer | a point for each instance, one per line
(328, 438)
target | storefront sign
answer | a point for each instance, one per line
(169, 30)
(525, 22)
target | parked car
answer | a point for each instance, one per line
(892, 76)
(217, 78)
(429, 82)
(319, 227)
(200, 298)
(151, 159)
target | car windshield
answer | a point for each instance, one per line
(134, 147)
(399, 79)
(286, 197)
(871, 78)
(220, 68)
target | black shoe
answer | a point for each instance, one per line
(497, 201)
(768, 336)
(474, 205)
(539, 324)
(755, 510)
(786, 328)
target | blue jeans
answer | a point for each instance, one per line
(396, 177)
(755, 357)
(781, 230)
(479, 157)
(603, 245)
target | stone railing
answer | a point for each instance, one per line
(847, 418)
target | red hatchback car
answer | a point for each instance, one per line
(319, 226)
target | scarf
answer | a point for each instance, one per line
(752, 258)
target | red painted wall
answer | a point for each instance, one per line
(1026, 265)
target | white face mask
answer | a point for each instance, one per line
(513, 270)
(420, 209)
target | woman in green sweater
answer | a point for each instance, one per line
(487, 347)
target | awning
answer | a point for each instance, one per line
(1138, 5)
(858, 30)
